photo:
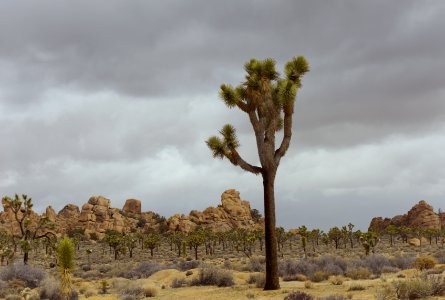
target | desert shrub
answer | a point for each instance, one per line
(177, 283)
(258, 279)
(105, 268)
(331, 265)
(3, 287)
(356, 287)
(290, 267)
(402, 262)
(256, 264)
(150, 291)
(319, 276)
(187, 265)
(412, 289)
(424, 262)
(376, 263)
(440, 256)
(437, 285)
(13, 297)
(130, 289)
(385, 292)
(333, 297)
(387, 269)
(50, 289)
(85, 268)
(297, 277)
(336, 280)
(30, 275)
(359, 273)
(298, 296)
(188, 273)
(308, 284)
(143, 270)
(213, 276)
(89, 293)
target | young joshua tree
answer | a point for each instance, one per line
(65, 254)
(268, 101)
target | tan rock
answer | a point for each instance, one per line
(50, 214)
(132, 206)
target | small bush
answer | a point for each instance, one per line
(298, 296)
(336, 280)
(13, 297)
(150, 291)
(308, 284)
(213, 276)
(319, 276)
(376, 263)
(333, 297)
(258, 279)
(31, 275)
(290, 268)
(131, 289)
(331, 264)
(412, 289)
(359, 273)
(402, 262)
(143, 270)
(177, 283)
(386, 292)
(50, 289)
(187, 265)
(356, 287)
(256, 264)
(297, 277)
(424, 262)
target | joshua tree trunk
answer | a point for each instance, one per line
(272, 281)
(25, 257)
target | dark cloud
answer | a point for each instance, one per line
(113, 98)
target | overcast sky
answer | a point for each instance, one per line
(117, 98)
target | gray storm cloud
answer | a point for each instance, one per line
(113, 98)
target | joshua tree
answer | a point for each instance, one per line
(152, 241)
(65, 255)
(196, 239)
(369, 240)
(336, 235)
(302, 231)
(114, 239)
(28, 230)
(391, 230)
(268, 100)
(351, 234)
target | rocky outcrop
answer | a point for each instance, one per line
(132, 206)
(421, 215)
(232, 213)
(97, 216)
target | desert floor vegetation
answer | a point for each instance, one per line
(228, 272)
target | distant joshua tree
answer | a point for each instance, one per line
(29, 230)
(268, 100)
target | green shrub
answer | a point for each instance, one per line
(413, 289)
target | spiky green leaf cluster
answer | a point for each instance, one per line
(65, 254)
(295, 69)
(223, 147)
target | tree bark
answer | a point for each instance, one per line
(272, 281)
(25, 258)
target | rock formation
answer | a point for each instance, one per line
(97, 216)
(421, 215)
(232, 213)
(132, 206)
